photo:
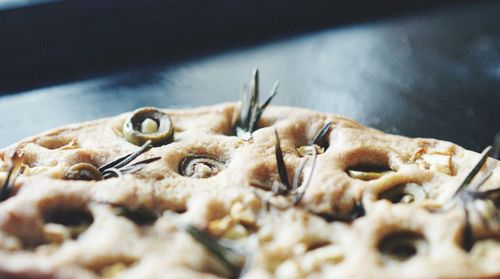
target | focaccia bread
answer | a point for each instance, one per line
(206, 203)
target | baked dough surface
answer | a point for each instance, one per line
(312, 239)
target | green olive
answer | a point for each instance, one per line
(82, 171)
(200, 166)
(404, 193)
(148, 124)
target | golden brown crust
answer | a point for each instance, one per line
(313, 239)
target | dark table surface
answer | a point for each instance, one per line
(432, 74)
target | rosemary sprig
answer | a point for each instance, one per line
(124, 160)
(121, 165)
(300, 195)
(285, 187)
(468, 234)
(251, 110)
(281, 168)
(475, 170)
(7, 185)
(228, 257)
(315, 143)
(115, 168)
(468, 192)
(9, 182)
(321, 134)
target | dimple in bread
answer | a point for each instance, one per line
(288, 193)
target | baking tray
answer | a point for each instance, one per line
(46, 41)
(435, 73)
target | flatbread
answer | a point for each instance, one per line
(349, 223)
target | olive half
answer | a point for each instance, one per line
(148, 124)
(200, 166)
(404, 193)
(82, 171)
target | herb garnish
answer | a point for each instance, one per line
(117, 167)
(285, 187)
(251, 110)
(315, 143)
(6, 189)
(321, 134)
(231, 260)
(296, 185)
(7, 185)
(468, 193)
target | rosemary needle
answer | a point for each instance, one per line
(7, 186)
(251, 111)
(321, 134)
(225, 255)
(281, 163)
(468, 179)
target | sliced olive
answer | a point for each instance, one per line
(82, 171)
(401, 246)
(148, 124)
(200, 166)
(404, 193)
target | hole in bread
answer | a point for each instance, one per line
(61, 222)
(139, 216)
(318, 244)
(367, 164)
(403, 245)
(321, 138)
(306, 136)
(159, 177)
(58, 142)
(355, 212)
(404, 193)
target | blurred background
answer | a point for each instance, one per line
(427, 69)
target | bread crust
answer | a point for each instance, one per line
(311, 239)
